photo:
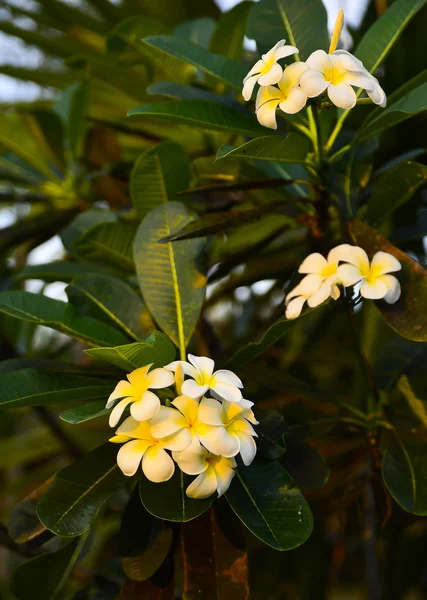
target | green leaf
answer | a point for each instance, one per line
(380, 37)
(71, 106)
(305, 465)
(170, 275)
(24, 525)
(82, 223)
(180, 91)
(156, 350)
(42, 310)
(222, 68)
(416, 405)
(266, 500)
(229, 34)
(47, 573)
(169, 501)
(37, 387)
(252, 350)
(116, 299)
(157, 177)
(211, 116)
(404, 473)
(407, 316)
(302, 22)
(412, 104)
(78, 492)
(92, 410)
(199, 31)
(109, 244)
(57, 270)
(144, 565)
(128, 34)
(292, 149)
(393, 188)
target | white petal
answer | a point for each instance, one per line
(159, 378)
(130, 454)
(294, 308)
(295, 101)
(349, 275)
(138, 376)
(255, 69)
(339, 254)
(203, 364)
(146, 408)
(241, 425)
(374, 291)
(320, 296)
(342, 95)
(272, 77)
(203, 486)
(377, 94)
(248, 87)
(348, 61)
(360, 80)
(178, 441)
(393, 288)
(247, 448)
(225, 376)
(296, 291)
(224, 475)
(319, 61)
(167, 421)
(157, 465)
(272, 52)
(314, 263)
(210, 412)
(122, 390)
(188, 406)
(192, 460)
(192, 389)
(227, 391)
(135, 429)
(266, 114)
(285, 51)
(358, 257)
(313, 83)
(186, 367)
(335, 292)
(310, 284)
(218, 441)
(383, 263)
(117, 411)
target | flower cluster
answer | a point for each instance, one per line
(203, 433)
(324, 275)
(334, 73)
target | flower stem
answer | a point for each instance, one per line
(336, 130)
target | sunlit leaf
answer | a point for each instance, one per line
(292, 149)
(86, 412)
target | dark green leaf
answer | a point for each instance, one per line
(82, 223)
(144, 565)
(169, 501)
(78, 492)
(270, 432)
(92, 410)
(157, 349)
(58, 315)
(71, 107)
(266, 500)
(109, 244)
(170, 275)
(199, 31)
(211, 116)
(305, 465)
(254, 349)
(302, 22)
(129, 34)
(138, 528)
(157, 177)
(180, 91)
(407, 316)
(416, 405)
(229, 34)
(24, 524)
(292, 149)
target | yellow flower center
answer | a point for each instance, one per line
(334, 75)
(213, 460)
(371, 275)
(205, 379)
(328, 271)
(267, 65)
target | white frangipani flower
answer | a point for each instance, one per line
(135, 391)
(376, 281)
(267, 71)
(182, 420)
(214, 472)
(223, 384)
(139, 444)
(289, 97)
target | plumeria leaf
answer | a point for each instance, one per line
(143, 566)
(58, 315)
(393, 188)
(379, 39)
(86, 412)
(115, 299)
(409, 105)
(109, 244)
(47, 573)
(220, 67)
(198, 31)
(57, 270)
(180, 91)
(37, 387)
(138, 528)
(266, 500)
(305, 464)
(71, 107)
(169, 501)
(407, 316)
(156, 349)
(202, 114)
(292, 149)
(82, 223)
(157, 177)
(77, 493)
(403, 471)
(302, 22)
(416, 405)
(170, 275)
(24, 525)
(227, 39)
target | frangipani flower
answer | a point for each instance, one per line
(375, 278)
(229, 430)
(183, 420)
(141, 445)
(214, 472)
(311, 291)
(337, 72)
(267, 71)
(223, 383)
(289, 97)
(145, 404)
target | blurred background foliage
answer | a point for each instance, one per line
(70, 166)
